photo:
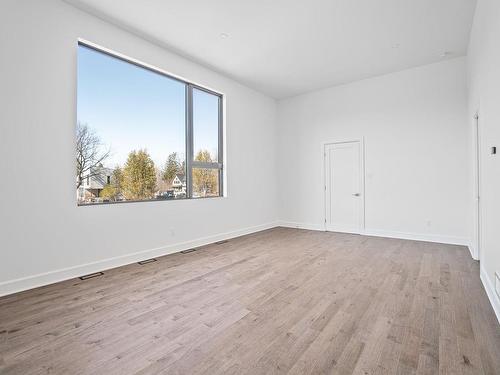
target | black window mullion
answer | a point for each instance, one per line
(189, 141)
(221, 148)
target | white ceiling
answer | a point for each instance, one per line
(287, 47)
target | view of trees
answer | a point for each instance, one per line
(205, 180)
(139, 176)
(89, 155)
(109, 192)
(117, 180)
(173, 166)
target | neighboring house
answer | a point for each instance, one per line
(93, 185)
(179, 184)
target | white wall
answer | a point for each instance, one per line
(484, 95)
(42, 229)
(417, 151)
(417, 139)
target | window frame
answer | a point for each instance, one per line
(190, 163)
(188, 118)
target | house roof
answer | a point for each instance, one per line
(181, 177)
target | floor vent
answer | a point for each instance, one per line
(221, 242)
(91, 275)
(142, 262)
(187, 251)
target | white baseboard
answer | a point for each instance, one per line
(451, 240)
(290, 224)
(34, 281)
(473, 252)
(489, 287)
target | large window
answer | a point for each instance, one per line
(143, 135)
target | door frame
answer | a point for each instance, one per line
(361, 142)
(477, 187)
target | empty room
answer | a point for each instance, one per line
(249, 187)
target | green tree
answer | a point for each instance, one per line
(204, 155)
(117, 180)
(204, 179)
(139, 176)
(171, 168)
(108, 192)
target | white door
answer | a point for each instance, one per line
(343, 187)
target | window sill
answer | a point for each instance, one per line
(147, 201)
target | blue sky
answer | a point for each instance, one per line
(132, 108)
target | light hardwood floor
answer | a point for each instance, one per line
(278, 301)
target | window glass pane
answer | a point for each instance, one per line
(130, 132)
(205, 126)
(205, 182)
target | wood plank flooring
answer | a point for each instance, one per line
(275, 302)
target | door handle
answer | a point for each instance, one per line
(356, 194)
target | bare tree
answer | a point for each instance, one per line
(88, 153)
